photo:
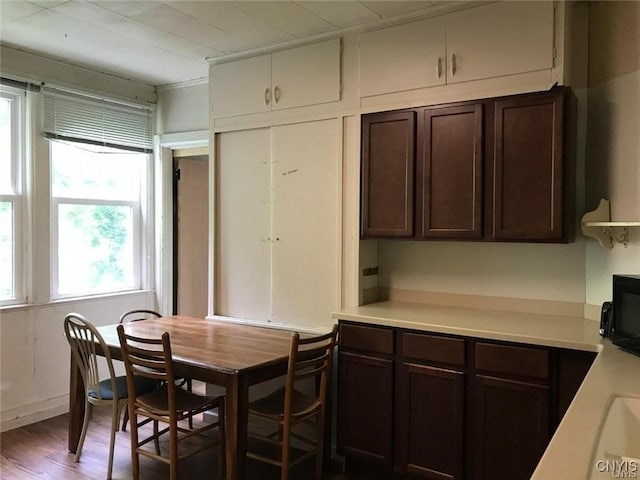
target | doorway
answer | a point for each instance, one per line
(190, 231)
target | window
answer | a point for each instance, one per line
(11, 164)
(99, 153)
(96, 203)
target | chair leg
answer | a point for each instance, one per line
(286, 447)
(85, 427)
(115, 419)
(135, 459)
(156, 439)
(320, 444)
(190, 389)
(222, 458)
(125, 419)
(173, 452)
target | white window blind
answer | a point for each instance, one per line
(74, 117)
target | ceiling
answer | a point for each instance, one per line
(167, 42)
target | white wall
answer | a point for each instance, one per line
(516, 270)
(34, 361)
(34, 355)
(613, 145)
(183, 109)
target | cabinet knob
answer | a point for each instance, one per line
(454, 66)
(267, 95)
(439, 67)
(276, 93)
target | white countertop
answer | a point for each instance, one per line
(614, 372)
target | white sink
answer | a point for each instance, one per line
(617, 454)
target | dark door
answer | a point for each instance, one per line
(388, 169)
(431, 409)
(365, 407)
(191, 233)
(450, 172)
(511, 427)
(529, 168)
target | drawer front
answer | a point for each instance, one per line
(372, 339)
(432, 348)
(512, 360)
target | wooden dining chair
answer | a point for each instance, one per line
(86, 345)
(170, 405)
(310, 361)
(138, 315)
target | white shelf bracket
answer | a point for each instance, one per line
(597, 224)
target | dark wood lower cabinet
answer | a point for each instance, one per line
(431, 422)
(419, 405)
(511, 427)
(365, 407)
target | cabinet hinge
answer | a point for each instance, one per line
(554, 53)
(177, 174)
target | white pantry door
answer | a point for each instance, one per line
(277, 244)
(305, 253)
(243, 258)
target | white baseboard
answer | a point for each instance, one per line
(32, 413)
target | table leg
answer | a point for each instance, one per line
(76, 405)
(237, 397)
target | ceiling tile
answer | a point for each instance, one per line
(286, 16)
(18, 9)
(246, 31)
(47, 3)
(127, 8)
(94, 14)
(174, 21)
(340, 13)
(388, 9)
(118, 55)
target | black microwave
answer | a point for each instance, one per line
(625, 319)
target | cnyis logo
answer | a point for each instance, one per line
(623, 468)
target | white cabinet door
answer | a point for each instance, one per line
(306, 75)
(243, 226)
(241, 87)
(306, 192)
(502, 38)
(403, 57)
(296, 77)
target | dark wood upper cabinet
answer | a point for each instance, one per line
(449, 172)
(498, 169)
(530, 170)
(388, 169)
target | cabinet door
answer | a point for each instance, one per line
(365, 407)
(305, 241)
(511, 428)
(503, 38)
(241, 87)
(431, 409)
(306, 75)
(388, 168)
(530, 168)
(450, 172)
(402, 57)
(243, 225)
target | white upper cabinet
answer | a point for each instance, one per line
(242, 87)
(403, 57)
(297, 77)
(499, 39)
(494, 40)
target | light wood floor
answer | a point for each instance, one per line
(39, 452)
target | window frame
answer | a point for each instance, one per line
(140, 236)
(16, 198)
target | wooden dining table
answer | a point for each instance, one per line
(232, 355)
